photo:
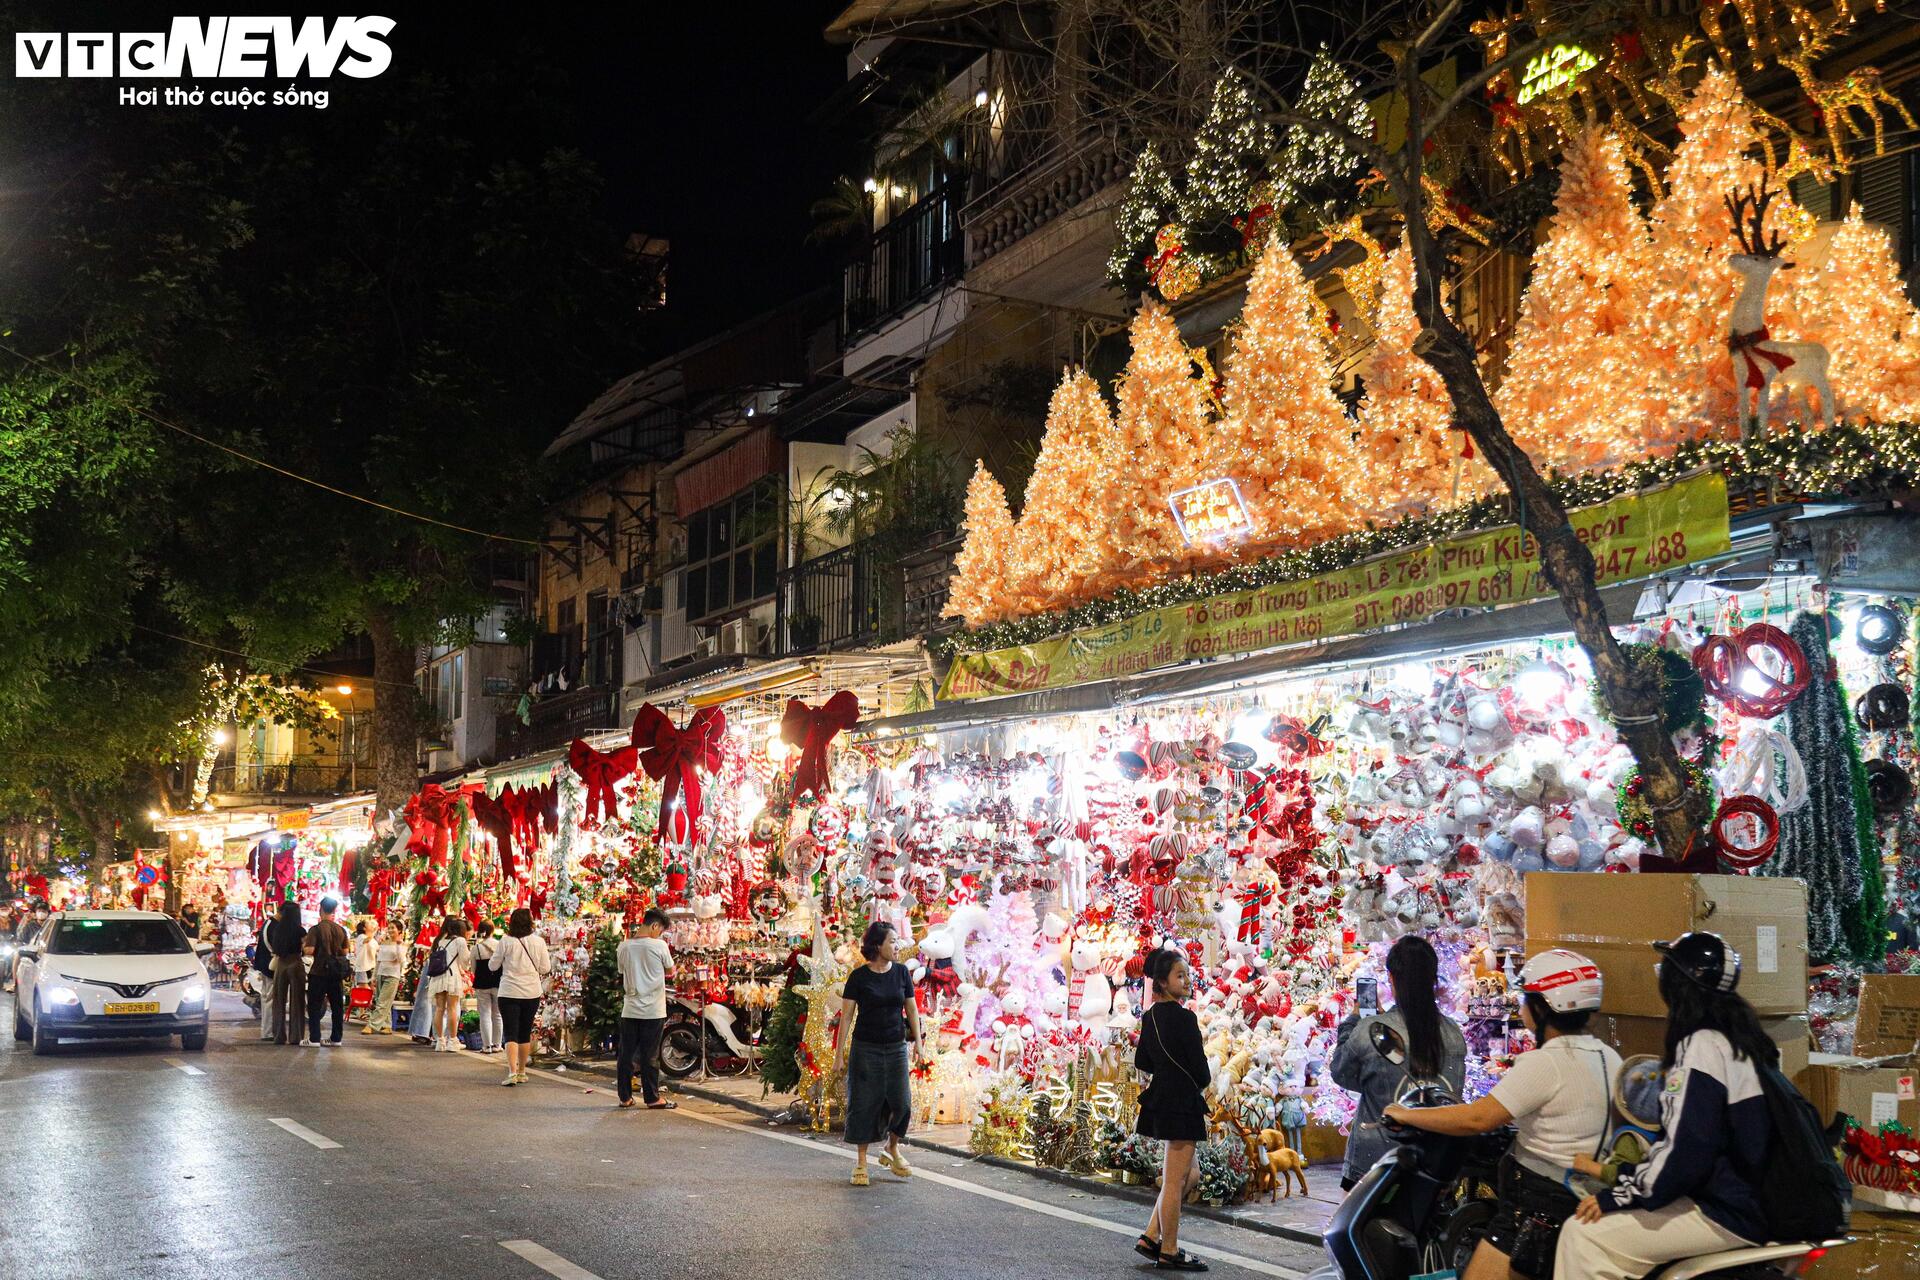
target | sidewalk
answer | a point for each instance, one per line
(1300, 1218)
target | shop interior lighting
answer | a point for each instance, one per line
(1540, 683)
(1878, 630)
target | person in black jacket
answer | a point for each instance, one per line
(261, 979)
(1171, 1106)
(284, 938)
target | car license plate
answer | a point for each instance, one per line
(133, 1006)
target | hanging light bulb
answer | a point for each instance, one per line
(1540, 683)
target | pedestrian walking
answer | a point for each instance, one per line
(645, 965)
(420, 1024)
(486, 987)
(284, 939)
(1171, 1107)
(389, 966)
(522, 962)
(446, 980)
(877, 1050)
(260, 977)
(328, 944)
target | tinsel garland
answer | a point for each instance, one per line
(1866, 916)
(1820, 841)
(1843, 460)
(565, 900)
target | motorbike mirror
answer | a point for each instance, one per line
(1388, 1043)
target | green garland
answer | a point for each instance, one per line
(1636, 815)
(1865, 918)
(1683, 696)
(1842, 461)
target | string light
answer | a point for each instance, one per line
(974, 593)
(1060, 544)
(1149, 202)
(1231, 152)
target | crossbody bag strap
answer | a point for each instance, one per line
(1162, 1044)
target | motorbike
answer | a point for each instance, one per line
(1416, 1214)
(727, 1051)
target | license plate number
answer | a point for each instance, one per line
(133, 1006)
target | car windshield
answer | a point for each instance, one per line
(118, 938)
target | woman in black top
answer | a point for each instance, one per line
(1171, 1107)
(881, 1016)
(284, 938)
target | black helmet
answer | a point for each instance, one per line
(1705, 959)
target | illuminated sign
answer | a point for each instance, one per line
(1554, 69)
(1211, 512)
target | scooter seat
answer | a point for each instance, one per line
(1716, 1264)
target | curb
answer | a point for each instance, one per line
(1114, 1190)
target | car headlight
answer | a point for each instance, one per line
(195, 994)
(63, 995)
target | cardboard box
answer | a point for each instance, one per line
(1871, 1092)
(1889, 1018)
(1636, 1036)
(1886, 1246)
(1615, 919)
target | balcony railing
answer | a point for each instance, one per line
(292, 776)
(919, 250)
(559, 718)
(1053, 183)
(833, 601)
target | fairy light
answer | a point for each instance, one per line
(974, 594)
(1313, 156)
(1411, 460)
(1149, 202)
(1060, 544)
(1230, 154)
(1165, 441)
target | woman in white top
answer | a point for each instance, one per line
(449, 955)
(523, 963)
(390, 963)
(363, 951)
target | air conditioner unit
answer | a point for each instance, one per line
(743, 636)
(707, 647)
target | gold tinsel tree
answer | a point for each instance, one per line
(1574, 392)
(1855, 304)
(1060, 549)
(977, 594)
(1288, 440)
(1165, 440)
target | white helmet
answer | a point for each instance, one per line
(1566, 980)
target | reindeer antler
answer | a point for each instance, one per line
(1753, 204)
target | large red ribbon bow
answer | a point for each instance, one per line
(1746, 346)
(811, 729)
(492, 815)
(598, 771)
(674, 757)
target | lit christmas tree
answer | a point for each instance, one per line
(1059, 545)
(1313, 161)
(1149, 204)
(1165, 441)
(1412, 462)
(1574, 392)
(1856, 305)
(1289, 443)
(977, 592)
(1231, 153)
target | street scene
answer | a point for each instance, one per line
(962, 637)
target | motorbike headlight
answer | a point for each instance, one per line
(63, 996)
(195, 994)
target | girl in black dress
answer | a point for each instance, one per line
(1171, 1107)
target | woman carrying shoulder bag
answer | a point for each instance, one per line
(1172, 1108)
(523, 965)
(486, 986)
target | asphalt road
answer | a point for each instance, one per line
(134, 1159)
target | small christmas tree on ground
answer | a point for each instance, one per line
(978, 590)
(1058, 546)
(1165, 442)
(605, 992)
(780, 1043)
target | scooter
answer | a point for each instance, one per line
(726, 1053)
(1394, 1224)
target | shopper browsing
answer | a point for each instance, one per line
(1557, 1097)
(260, 977)
(389, 966)
(645, 966)
(446, 980)
(875, 1048)
(486, 986)
(1436, 1050)
(1171, 1106)
(1693, 1193)
(328, 944)
(284, 938)
(365, 953)
(523, 964)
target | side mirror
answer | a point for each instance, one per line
(28, 953)
(1388, 1043)
(202, 948)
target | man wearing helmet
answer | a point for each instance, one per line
(1693, 1193)
(1557, 1098)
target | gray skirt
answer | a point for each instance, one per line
(879, 1095)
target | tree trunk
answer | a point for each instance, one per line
(396, 715)
(1634, 696)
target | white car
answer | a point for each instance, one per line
(97, 974)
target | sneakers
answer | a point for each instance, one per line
(330, 1044)
(520, 1077)
(510, 1081)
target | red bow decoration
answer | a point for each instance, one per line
(379, 893)
(346, 873)
(491, 813)
(674, 757)
(811, 729)
(598, 771)
(1254, 223)
(1746, 346)
(430, 816)
(1251, 900)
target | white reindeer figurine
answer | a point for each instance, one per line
(1758, 359)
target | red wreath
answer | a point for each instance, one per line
(1748, 856)
(1726, 668)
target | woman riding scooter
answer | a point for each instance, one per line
(1556, 1097)
(1690, 1195)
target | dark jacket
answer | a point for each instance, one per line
(1358, 1067)
(1171, 1052)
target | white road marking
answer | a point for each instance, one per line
(305, 1134)
(547, 1260)
(178, 1065)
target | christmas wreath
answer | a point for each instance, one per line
(1636, 814)
(1683, 698)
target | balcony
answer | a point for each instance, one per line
(303, 775)
(832, 601)
(1058, 180)
(919, 249)
(559, 718)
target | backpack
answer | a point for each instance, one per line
(438, 962)
(1802, 1190)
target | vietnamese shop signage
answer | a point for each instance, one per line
(1631, 536)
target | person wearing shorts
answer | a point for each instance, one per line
(523, 964)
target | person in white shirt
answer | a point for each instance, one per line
(523, 964)
(645, 966)
(363, 953)
(389, 966)
(450, 956)
(1557, 1097)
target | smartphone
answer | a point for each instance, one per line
(1366, 993)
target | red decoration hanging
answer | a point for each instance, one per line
(1747, 831)
(1758, 690)
(674, 757)
(598, 771)
(812, 729)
